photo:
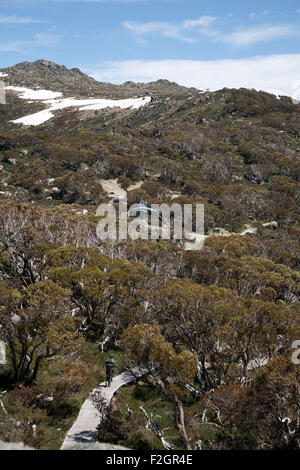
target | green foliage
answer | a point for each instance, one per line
(196, 318)
(142, 440)
(254, 416)
(59, 410)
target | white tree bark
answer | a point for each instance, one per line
(152, 425)
(1, 403)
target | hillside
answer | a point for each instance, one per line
(236, 149)
(214, 328)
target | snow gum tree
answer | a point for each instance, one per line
(227, 333)
(35, 326)
(169, 370)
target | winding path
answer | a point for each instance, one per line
(84, 429)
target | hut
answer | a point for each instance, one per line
(219, 232)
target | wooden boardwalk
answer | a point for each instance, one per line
(84, 429)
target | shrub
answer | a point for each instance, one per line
(62, 409)
(142, 440)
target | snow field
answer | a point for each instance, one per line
(51, 99)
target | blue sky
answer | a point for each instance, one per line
(204, 44)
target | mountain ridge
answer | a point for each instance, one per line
(47, 74)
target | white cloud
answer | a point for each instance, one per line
(279, 74)
(40, 39)
(172, 29)
(258, 34)
(17, 20)
(11, 46)
(164, 28)
(204, 21)
(203, 26)
(45, 39)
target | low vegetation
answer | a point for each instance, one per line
(213, 329)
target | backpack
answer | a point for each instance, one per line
(109, 366)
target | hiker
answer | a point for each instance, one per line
(110, 364)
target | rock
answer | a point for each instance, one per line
(5, 193)
(191, 156)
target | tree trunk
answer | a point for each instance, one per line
(37, 364)
(19, 365)
(179, 419)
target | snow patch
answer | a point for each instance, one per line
(28, 94)
(50, 98)
(134, 103)
(35, 119)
